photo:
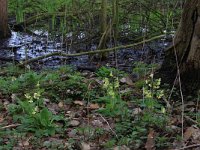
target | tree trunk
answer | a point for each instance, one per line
(115, 19)
(103, 28)
(186, 46)
(4, 29)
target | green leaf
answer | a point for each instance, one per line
(45, 117)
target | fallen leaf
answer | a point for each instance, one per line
(127, 80)
(6, 102)
(85, 146)
(94, 106)
(70, 114)
(150, 144)
(24, 143)
(81, 103)
(189, 133)
(121, 148)
(14, 98)
(1, 118)
(100, 82)
(125, 91)
(123, 80)
(74, 123)
(173, 128)
(53, 107)
(97, 123)
(72, 133)
(60, 104)
(136, 111)
(196, 135)
(46, 100)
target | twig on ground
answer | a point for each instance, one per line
(189, 147)
(190, 119)
(108, 125)
(10, 126)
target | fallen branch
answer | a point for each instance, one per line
(24, 63)
(88, 52)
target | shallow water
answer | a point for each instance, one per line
(23, 46)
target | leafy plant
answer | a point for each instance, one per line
(110, 144)
(33, 115)
(142, 69)
(114, 104)
(162, 142)
(131, 132)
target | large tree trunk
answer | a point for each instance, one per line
(186, 46)
(4, 29)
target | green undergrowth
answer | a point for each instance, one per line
(30, 96)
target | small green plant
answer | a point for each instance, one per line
(162, 142)
(115, 106)
(33, 115)
(152, 88)
(142, 69)
(51, 145)
(154, 112)
(110, 144)
(105, 72)
(131, 132)
(87, 131)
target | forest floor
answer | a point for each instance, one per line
(106, 109)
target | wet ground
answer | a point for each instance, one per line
(22, 46)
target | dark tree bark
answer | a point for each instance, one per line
(4, 29)
(186, 47)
